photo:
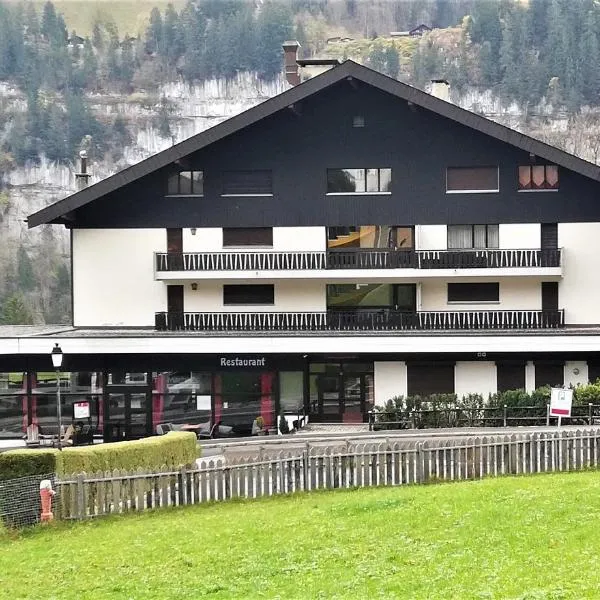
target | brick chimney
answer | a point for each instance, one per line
(440, 88)
(290, 54)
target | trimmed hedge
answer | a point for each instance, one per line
(24, 463)
(173, 450)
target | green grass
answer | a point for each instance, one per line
(535, 537)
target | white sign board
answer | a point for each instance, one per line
(560, 402)
(202, 402)
(81, 410)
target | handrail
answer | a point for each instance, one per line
(358, 258)
(359, 320)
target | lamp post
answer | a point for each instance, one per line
(57, 358)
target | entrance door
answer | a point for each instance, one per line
(128, 414)
(341, 398)
(175, 307)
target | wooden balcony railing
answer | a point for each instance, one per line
(357, 259)
(360, 320)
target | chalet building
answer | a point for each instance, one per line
(347, 241)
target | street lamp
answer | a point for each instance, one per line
(57, 358)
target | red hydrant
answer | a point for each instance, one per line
(46, 494)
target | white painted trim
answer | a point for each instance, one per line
(358, 194)
(377, 275)
(472, 191)
(539, 342)
(537, 191)
(246, 195)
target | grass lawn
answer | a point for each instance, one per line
(525, 537)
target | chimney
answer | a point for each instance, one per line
(290, 54)
(440, 88)
(82, 178)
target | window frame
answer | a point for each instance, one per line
(227, 244)
(473, 247)
(180, 194)
(248, 285)
(449, 285)
(246, 194)
(365, 170)
(542, 189)
(475, 191)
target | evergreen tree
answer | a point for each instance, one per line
(154, 34)
(98, 37)
(193, 24)
(25, 270)
(589, 59)
(15, 311)
(392, 61)
(172, 36)
(274, 26)
(377, 57)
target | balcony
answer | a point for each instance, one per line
(392, 263)
(361, 320)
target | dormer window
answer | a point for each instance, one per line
(538, 178)
(186, 183)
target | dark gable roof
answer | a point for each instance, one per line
(349, 70)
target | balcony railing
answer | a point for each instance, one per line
(362, 320)
(357, 259)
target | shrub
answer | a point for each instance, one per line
(25, 463)
(174, 450)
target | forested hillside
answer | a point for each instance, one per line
(538, 55)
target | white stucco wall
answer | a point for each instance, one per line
(293, 296)
(579, 290)
(529, 376)
(431, 237)
(210, 239)
(576, 378)
(519, 235)
(113, 277)
(299, 238)
(390, 380)
(475, 377)
(515, 294)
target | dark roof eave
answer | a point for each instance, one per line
(348, 69)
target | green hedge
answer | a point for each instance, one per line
(24, 463)
(174, 450)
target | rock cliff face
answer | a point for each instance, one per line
(192, 110)
(34, 186)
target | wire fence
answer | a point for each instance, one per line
(20, 503)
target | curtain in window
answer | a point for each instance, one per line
(460, 236)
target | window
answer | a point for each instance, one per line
(538, 177)
(427, 379)
(359, 181)
(186, 183)
(247, 183)
(358, 121)
(473, 292)
(472, 236)
(248, 294)
(247, 236)
(400, 297)
(394, 237)
(471, 179)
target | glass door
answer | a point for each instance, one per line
(128, 414)
(353, 398)
(330, 399)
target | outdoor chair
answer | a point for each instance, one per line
(32, 438)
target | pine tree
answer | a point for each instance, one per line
(15, 311)
(25, 270)
(274, 26)
(154, 34)
(377, 57)
(172, 36)
(589, 59)
(392, 61)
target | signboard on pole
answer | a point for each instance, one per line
(81, 410)
(560, 402)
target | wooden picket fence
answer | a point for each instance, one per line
(389, 463)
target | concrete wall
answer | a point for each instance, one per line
(113, 277)
(289, 296)
(579, 290)
(475, 377)
(515, 294)
(390, 380)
